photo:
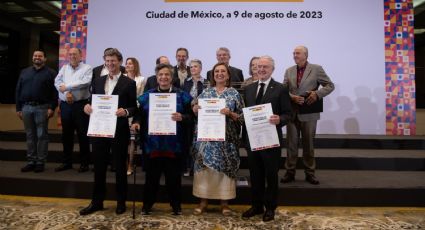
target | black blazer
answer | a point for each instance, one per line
(98, 69)
(176, 74)
(278, 96)
(236, 75)
(126, 90)
(187, 86)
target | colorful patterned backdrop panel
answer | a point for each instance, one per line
(73, 27)
(400, 67)
(399, 57)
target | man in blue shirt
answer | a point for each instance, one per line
(36, 100)
(73, 84)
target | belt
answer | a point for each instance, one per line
(33, 103)
(79, 101)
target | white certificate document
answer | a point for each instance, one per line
(211, 123)
(261, 134)
(103, 120)
(161, 108)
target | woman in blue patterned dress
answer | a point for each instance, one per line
(217, 162)
(163, 153)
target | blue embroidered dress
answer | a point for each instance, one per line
(216, 161)
(160, 143)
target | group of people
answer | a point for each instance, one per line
(296, 103)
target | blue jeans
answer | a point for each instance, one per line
(35, 124)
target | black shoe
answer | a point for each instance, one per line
(287, 178)
(268, 215)
(120, 208)
(39, 168)
(28, 168)
(146, 211)
(311, 179)
(83, 168)
(93, 207)
(252, 212)
(177, 211)
(63, 167)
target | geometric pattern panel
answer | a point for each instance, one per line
(399, 57)
(399, 67)
(73, 28)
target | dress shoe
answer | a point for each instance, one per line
(268, 215)
(177, 211)
(121, 208)
(311, 179)
(63, 167)
(39, 168)
(146, 210)
(83, 168)
(252, 212)
(93, 207)
(28, 168)
(287, 178)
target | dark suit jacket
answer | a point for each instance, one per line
(188, 83)
(236, 75)
(151, 83)
(176, 74)
(278, 96)
(98, 69)
(126, 90)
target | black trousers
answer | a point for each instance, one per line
(171, 167)
(74, 119)
(263, 170)
(101, 148)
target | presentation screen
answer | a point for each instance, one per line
(345, 37)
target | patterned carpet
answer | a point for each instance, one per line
(53, 213)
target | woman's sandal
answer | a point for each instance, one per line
(199, 210)
(226, 211)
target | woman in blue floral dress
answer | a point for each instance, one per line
(216, 162)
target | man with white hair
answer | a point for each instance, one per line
(264, 164)
(308, 84)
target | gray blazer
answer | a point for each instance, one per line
(314, 76)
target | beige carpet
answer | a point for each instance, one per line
(62, 214)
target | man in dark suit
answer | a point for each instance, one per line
(101, 70)
(115, 83)
(264, 164)
(181, 70)
(303, 81)
(98, 71)
(236, 75)
(151, 82)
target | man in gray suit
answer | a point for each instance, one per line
(308, 84)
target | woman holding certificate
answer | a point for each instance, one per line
(216, 146)
(162, 113)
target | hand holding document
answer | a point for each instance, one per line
(211, 123)
(161, 109)
(103, 120)
(261, 134)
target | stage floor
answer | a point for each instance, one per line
(18, 212)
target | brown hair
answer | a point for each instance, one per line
(136, 65)
(212, 81)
